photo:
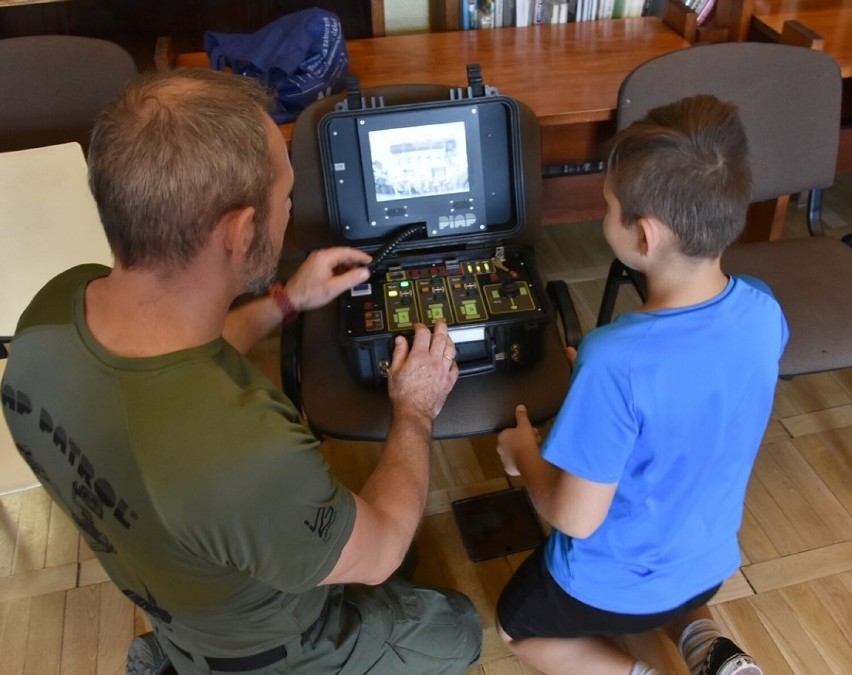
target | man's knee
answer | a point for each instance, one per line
(469, 625)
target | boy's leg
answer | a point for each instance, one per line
(556, 633)
(575, 656)
(704, 648)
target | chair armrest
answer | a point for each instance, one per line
(558, 292)
(681, 19)
(165, 56)
(291, 352)
(799, 35)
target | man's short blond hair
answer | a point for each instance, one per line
(171, 155)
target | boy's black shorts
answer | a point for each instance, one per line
(534, 605)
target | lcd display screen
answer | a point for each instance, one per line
(420, 161)
(451, 166)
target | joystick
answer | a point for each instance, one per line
(509, 287)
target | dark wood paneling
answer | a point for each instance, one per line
(136, 24)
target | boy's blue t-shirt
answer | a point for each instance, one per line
(672, 406)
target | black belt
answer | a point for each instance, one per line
(239, 664)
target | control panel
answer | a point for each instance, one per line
(461, 292)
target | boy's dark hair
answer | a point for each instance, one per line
(685, 164)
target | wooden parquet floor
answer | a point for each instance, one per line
(790, 604)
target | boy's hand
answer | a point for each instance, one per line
(571, 353)
(514, 441)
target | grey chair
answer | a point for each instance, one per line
(789, 100)
(53, 87)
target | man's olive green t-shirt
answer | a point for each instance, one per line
(190, 474)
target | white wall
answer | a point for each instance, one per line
(406, 16)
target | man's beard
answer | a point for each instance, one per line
(261, 263)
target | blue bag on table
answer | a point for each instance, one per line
(301, 56)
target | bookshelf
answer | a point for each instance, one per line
(730, 21)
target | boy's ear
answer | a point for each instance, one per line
(651, 234)
(642, 230)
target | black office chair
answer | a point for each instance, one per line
(54, 86)
(789, 102)
(314, 368)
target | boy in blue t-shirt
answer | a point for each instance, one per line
(644, 473)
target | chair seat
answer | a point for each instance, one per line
(812, 280)
(341, 407)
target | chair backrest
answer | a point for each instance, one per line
(48, 222)
(788, 99)
(53, 87)
(309, 228)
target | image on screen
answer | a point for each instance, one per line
(421, 161)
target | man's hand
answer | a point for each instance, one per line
(420, 378)
(390, 504)
(325, 274)
(514, 441)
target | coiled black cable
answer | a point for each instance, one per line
(387, 249)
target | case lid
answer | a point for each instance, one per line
(439, 173)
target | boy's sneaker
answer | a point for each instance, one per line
(146, 657)
(725, 658)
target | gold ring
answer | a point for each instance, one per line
(449, 358)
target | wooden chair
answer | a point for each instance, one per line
(789, 101)
(730, 24)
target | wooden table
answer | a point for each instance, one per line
(11, 3)
(568, 74)
(829, 19)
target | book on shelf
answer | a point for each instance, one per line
(587, 10)
(605, 9)
(536, 12)
(522, 13)
(705, 11)
(479, 14)
(486, 11)
(571, 11)
(633, 8)
(593, 10)
(555, 11)
(486, 14)
(508, 13)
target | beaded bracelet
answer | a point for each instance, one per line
(289, 313)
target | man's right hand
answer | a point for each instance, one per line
(325, 274)
(390, 504)
(420, 378)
